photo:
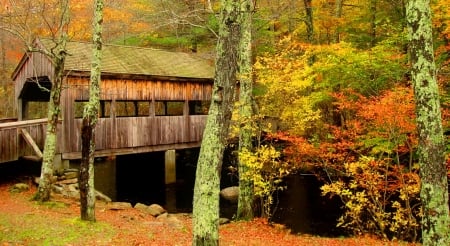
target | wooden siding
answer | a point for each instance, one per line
(13, 146)
(121, 89)
(35, 65)
(132, 132)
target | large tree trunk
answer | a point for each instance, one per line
(245, 200)
(207, 181)
(90, 118)
(433, 173)
(58, 57)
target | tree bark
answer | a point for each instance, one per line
(433, 173)
(207, 182)
(338, 14)
(373, 22)
(245, 200)
(90, 118)
(58, 57)
(309, 20)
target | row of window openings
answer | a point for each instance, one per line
(143, 108)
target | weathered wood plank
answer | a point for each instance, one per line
(31, 142)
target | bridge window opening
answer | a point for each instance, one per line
(132, 108)
(199, 107)
(36, 110)
(143, 108)
(169, 108)
(104, 111)
(78, 108)
(125, 109)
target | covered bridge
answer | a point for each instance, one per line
(150, 99)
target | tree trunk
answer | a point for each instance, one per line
(245, 200)
(338, 15)
(309, 20)
(373, 22)
(207, 182)
(90, 118)
(58, 57)
(433, 173)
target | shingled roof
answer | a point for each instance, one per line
(132, 60)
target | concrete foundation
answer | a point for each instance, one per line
(170, 179)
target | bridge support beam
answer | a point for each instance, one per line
(170, 179)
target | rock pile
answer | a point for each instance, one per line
(66, 184)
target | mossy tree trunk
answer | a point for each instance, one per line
(207, 181)
(58, 57)
(90, 118)
(245, 200)
(433, 173)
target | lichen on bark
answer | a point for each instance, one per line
(207, 182)
(433, 173)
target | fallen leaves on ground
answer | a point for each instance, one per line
(24, 222)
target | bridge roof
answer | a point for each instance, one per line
(133, 60)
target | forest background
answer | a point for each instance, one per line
(331, 75)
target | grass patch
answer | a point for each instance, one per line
(54, 204)
(32, 229)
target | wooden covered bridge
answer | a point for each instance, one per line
(151, 100)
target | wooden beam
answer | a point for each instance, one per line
(31, 142)
(31, 158)
(133, 150)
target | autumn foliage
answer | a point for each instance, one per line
(348, 116)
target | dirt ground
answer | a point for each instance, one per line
(24, 222)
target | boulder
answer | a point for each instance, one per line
(68, 181)
(102, 197)
(224, 221)
(141, 207)
(171, 220)
(174, 222)
(230, 194)
(71, 175)
(19, 187)
(119, 205)
(155, 210)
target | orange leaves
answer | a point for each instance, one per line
(392, 112)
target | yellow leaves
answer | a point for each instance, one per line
(288, 84)
(265, 170)
(377, 198)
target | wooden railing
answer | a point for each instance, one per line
(113, 136)
(15, 137)
(133, 132)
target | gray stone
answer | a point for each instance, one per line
(141, 207)
(170, 220)
(68, 181)
(162, 216)
(224, 221)
(174, 222)
(119, 205)
(71, 175)
(155, 210)
(57, 189)
(19, 187)
(102, 197)
(230, 194)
